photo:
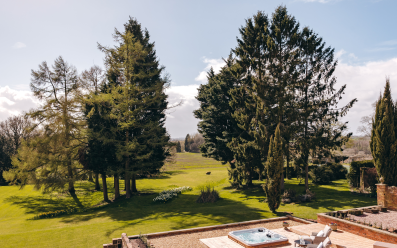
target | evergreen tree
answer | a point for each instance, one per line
(187, 143)
(317, 102)
(274, 167)
(136, 94)
(178, 147)
(100, 152)
(383, 138)
(50, 160)
(215, 113)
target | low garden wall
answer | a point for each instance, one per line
(358, 229)
(387, 196)
(123, 241)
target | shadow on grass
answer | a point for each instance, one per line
(331, 197)
(165, 175)
(183, 212)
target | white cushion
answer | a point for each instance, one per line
(320, 245)
(327, 231)
(327, 241)
(320, 234)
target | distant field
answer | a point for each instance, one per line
(141, 215)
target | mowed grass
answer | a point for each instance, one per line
(141, 215)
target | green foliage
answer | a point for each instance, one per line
(50, 159)
(383, 138)
(321, 175)
(178, 147)
(354, 174)
(274, 168)
(326, 173)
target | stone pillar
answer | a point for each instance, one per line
(382, 194)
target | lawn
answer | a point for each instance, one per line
(141, 215)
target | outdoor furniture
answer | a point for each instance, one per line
(318, 237)
(297, 243)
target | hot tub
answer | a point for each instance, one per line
(257, 237)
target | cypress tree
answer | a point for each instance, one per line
(383, 138)
(187, 143)
(274, 167)
(178, 147)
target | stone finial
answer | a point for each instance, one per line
(381, 180)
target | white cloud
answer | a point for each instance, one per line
(365, 82)
(180, 120)
(19, 45)
(339, 53)
(14, 102)
(216, 64)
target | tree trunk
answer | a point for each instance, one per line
(90, 179)
(71, 189)
(126, 176)
(105, 188)
(133, 183)
(97, 187)
(260, 175)
(287, 169)
(282, 181)
(116, 186)
(306, 158)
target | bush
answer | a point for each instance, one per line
(307, 196)
(207, 194)
(371, 179)
(288, 196)
(325, 174)
(338, 171)
(321, 175)
(354, 175)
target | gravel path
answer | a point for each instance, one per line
(191, 240)
(387, 219)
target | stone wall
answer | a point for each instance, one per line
(387, 196)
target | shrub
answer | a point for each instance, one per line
(371, 179)
(289, 195)
(338, 171)
(167, 195)
(307, 196)
(321, 175)
(208, 194)
(354, 175)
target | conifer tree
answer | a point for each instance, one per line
(317, 101)
(100, 152)
(274, 167)
(178, 147)
(50, 160)
(136, 94)
(215, 113)
(383, 138)
(187, 143)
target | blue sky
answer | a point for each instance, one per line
(190, 37)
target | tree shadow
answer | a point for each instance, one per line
(183, 212)
(165, 175)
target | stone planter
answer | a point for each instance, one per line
(334, 226)
(285, 225)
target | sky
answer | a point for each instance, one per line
(190, 37)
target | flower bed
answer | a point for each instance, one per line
(167, 195)
(350, 222)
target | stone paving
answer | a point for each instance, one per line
(341, 238)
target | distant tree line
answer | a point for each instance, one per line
(274, 100)
(103, 122)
